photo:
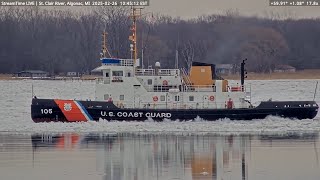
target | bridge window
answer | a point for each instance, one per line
(162, 98)
(121, 97)
(117, 73)
(149, 81)
(177, 98)
(191, 98)
(107, 74)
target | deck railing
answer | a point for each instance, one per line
(103, 80)
(169, 72)
(177, 105)
(160, 72)
(126, 62)
(199, 88)
(145, 72)
(122, 62)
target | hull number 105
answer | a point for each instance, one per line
(46, 111)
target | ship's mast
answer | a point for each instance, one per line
(135, 14)
(104, 45)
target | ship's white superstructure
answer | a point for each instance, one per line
(129, 86)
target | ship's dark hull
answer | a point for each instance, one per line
(48, 110)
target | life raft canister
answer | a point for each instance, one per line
(211, 98)
(155, 98)
(165, 82)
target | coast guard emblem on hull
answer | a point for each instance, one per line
(67, 107)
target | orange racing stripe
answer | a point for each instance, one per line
(70, 110)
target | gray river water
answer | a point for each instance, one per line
(126, 156)
(273, 148)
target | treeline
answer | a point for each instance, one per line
(59, 41)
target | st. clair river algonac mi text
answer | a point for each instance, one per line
(44, 3)
(73, 3)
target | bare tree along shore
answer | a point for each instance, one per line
(61, 40)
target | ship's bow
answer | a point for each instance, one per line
(45, 110)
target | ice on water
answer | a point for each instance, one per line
(15, 100)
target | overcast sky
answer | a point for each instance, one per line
(194, 8)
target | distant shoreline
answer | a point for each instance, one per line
(304, 74)
(9, 77)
